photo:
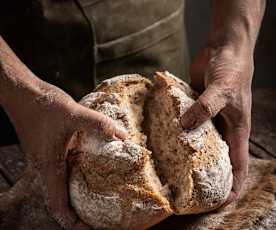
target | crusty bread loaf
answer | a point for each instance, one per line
(195, 164)
(114, 185)
(121, 184)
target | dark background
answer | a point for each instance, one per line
(197, 23)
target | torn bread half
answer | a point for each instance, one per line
(194, 164)
(113, 184)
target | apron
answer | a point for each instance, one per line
(75, 44)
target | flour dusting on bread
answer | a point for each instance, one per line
(160, 169)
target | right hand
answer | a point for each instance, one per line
(223, 76)
(45, 123)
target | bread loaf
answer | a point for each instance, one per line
(134, 184)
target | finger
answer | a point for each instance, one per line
(237, 138)
(109, 128)
(53, 174)
(211, 102)
(120, 133)
(231, 197)
(57, 202)
(238, 181)
(90, 120)
(239, 160)
(57, 199)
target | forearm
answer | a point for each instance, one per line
(16, 80)
(236, 22)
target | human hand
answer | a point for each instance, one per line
(223, 75)
(45, 122)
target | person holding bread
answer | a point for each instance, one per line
(54, 52)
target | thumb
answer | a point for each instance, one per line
(211, 102)
(109, 128)
(92, 120)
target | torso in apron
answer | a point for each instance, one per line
(74, 44)
(136, 36)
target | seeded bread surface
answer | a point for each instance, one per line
(159, 170)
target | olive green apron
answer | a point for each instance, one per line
(74, 44)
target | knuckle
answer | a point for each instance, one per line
(213, 100)
(101, 123)
(206, 107)
(105, 124)
(228, 93)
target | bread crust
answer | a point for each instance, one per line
(196, 163)
(121, 184)
(113, 185)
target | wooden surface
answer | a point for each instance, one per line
(263, 134)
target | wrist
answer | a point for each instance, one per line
(237, 39)
(235, 23)
(17, 92)
(239, 49)
(17, 82)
